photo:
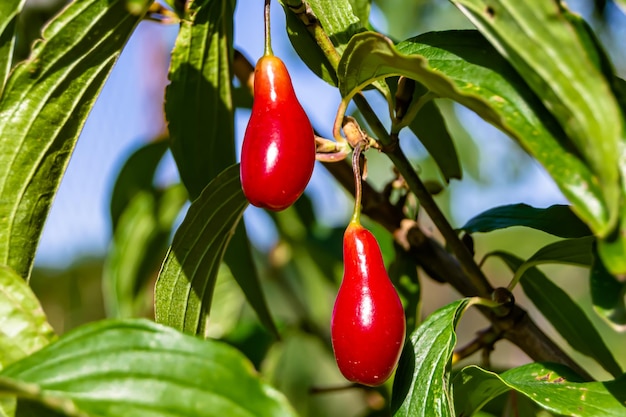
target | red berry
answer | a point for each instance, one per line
(368, 325)
(278, 150)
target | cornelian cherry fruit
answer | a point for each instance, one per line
(278, 152)
(368, 325)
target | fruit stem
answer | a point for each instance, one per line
(358, 187)
(268, 36)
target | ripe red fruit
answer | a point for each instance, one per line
(368, 325)
(278, 150)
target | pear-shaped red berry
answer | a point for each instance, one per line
(368, 325)
(278, 152)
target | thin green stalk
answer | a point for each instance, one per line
(268, 36)
(358, 187)
(306, 15)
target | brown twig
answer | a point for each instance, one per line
(440, 265)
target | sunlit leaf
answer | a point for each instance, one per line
(552, 386)
(140, 368)
(9, 10)
(430, 127)
(199, 109)
(563, 313)
(186, 281)
(339, 22)
(198, 100)
(425, 362)
(361, 9)
(245, 273)
(42, 111)
(462, 66)
(24, 328)
(545, 49)
(306, 47)
(558, 220)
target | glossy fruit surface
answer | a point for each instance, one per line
(278, 151)
(368, 324)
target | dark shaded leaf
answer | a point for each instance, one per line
(242, 266)
(608, 296)
(136, 175)
(403, 274)
(430, 127)
(558, 220)
(563, 313)
(198, 100)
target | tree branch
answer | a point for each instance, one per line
(440, 265)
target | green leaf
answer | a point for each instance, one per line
(576, 251)
(42, 111)
(361, 9)
(430, 127)
(338, 20)
(558, 220)
(608, 296)
(546, 50)
(554, 387)
(198, 100)
(139, 368)
(563, 313)
(425, 362)
(9, 10)
(462, 66)
(136, 175)
(139, 245)
(245, 273)
(199, 109)
(306, 47)
(612, 248)
(185, 284)
(24, 328)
